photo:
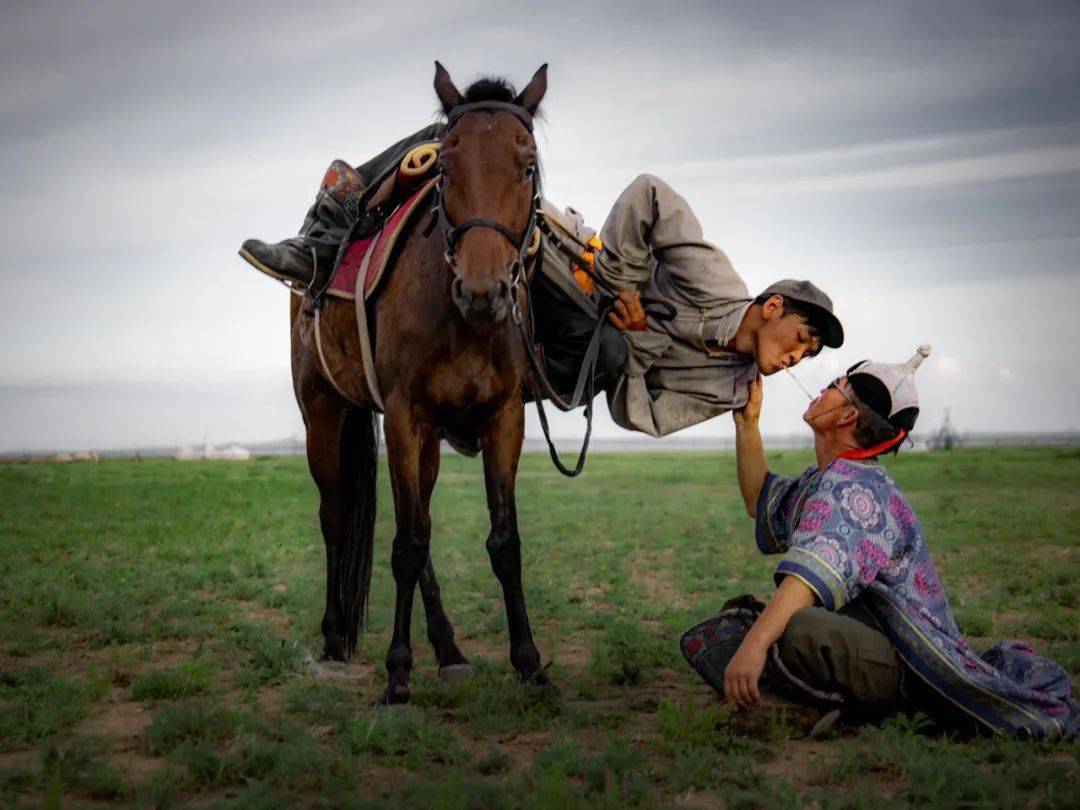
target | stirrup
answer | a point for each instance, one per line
(320, 276)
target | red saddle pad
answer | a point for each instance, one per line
(371, 255)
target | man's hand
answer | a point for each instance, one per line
(629, 315)
(749, 413)
(744, 670)
(742, 675)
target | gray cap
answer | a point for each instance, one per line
(832, 333)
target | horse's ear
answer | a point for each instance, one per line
(533, 93)
(445, 90)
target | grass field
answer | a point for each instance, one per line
(158, 621)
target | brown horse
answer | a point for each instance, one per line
(448, 357)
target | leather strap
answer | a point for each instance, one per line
(516, 110)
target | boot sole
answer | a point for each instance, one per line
(262, 268)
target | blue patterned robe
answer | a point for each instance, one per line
(847, 532)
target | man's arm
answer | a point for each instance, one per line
(750, 458)
(744, 670)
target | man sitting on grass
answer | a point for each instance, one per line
(860, 624)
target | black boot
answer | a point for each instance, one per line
(312, 253)
(290, 260)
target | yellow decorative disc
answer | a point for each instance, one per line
(420, 160)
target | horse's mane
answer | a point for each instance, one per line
(490, 88)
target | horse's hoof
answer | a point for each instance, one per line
(334, 653)
(540, 677)
(396, 696)
(456, 673)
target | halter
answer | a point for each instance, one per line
(521, 241)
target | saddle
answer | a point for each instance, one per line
(379, 214)
(386, 213)
(365, 260)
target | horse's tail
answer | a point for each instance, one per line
(359, 470)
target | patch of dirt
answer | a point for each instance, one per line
(166, 654)
(800, 762)
(18, 759)
(134, 766)
(566, 652)
(668, 685)
(122, 664)
(353, 672)
(117, 719)
(278, 621)
(121, 723)
(520, 745)
(650, 569)
(797, 761)
(68, 658)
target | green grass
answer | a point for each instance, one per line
(158, 620)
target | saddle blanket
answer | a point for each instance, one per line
(366, 260)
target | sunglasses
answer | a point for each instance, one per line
(836, 384)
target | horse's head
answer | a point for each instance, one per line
(489, 190)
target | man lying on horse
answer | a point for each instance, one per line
(860, 625)
(661, 373)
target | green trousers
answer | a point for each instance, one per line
(844, 652)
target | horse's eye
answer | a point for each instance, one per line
(530, 170)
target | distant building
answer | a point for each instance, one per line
(231, 453)
(946, 438)
(82, 455)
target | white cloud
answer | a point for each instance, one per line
(1016, 165)
(949, 367)
(916, 167)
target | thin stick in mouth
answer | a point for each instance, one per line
(798, 383)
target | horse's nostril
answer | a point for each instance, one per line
(502, 290)
(459, 293)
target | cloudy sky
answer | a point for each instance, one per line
(918, 160)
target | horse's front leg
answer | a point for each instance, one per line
(502, 449)
(405, 438)
(453, 665)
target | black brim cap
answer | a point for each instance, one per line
(829, 328)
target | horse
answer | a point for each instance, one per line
(448, 357)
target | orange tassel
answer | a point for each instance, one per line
(584, 280)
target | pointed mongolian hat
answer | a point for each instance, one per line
(889, 390)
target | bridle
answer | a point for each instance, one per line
(525, 243)
(522, 242)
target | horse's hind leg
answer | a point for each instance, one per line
(341, 453)
(324, 414)
(453, 665)
(502, 449)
